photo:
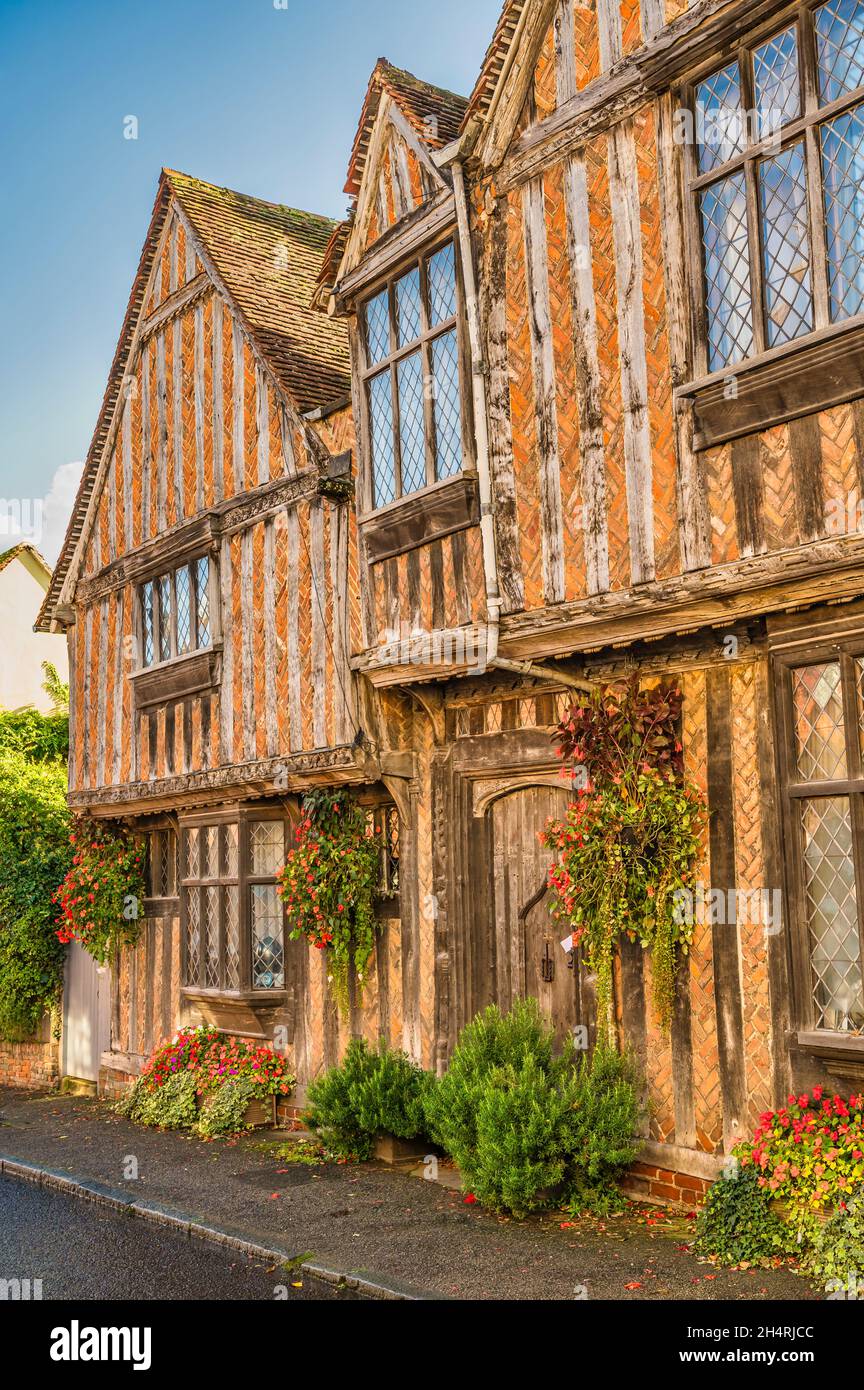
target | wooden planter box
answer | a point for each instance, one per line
(261, 1114)
(390, 1150)
(781, 1209)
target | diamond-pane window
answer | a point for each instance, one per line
(378, 328)
(231, 909)
(383, 450)
(408, 311)
(191, 858)
(147, 602)
(421, 379)
(165, 618)
(843, 180)
(776, 82)
(720, 123)
(183, 592)
(193, 936)
(267, 847)
(786, 246)
(268, 953)
(202, 594)
(840, 47)
(832, 914)
(727, 272)
(442, 285)
(448, 420)
(210, 925)
(412, 426)
(229, 851)
(819, 726)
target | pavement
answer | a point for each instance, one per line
(371, 1220)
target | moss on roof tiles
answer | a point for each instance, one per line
(270, 258)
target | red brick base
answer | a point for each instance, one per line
(664, 1185)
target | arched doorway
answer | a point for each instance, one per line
(530, 960)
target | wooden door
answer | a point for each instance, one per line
(529, 957)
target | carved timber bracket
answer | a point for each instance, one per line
(431, 701)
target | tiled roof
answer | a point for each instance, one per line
(270, 258)
(496, 58)
(8, 556)
(420, 103)
(332, 261)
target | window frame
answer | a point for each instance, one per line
(793, 791)
(243, 817)
(154, 582)
(804, 127)
(418, 259)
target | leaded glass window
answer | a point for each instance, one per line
(412, 382)
(176, 613)
(824, 808)
(233, 919)
(778, 182)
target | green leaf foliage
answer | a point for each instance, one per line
(525, 1125)
(367, 1095)
(34, 856)
(737, 1225)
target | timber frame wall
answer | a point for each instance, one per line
(638, 527)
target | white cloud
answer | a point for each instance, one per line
(41, 520)
(57, 508)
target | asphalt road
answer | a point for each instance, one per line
(82, 1251)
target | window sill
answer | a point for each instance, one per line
(824, 369)
(422, 517)
(191, 674)
(840, 1047)
(246, 1013)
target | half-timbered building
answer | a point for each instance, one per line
(588, 349)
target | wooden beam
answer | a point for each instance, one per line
(627, 235)
(588, 380)
(545, 383)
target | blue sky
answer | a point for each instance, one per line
(239, 92)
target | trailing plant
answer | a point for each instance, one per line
(330, 882)
(204, 1081)
(526, 1126)
(369, 1094)
(34, 855)
(738, 1224)
(837, 1256)
(100, 901)
(631, 840)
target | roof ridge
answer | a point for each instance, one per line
(172, 174)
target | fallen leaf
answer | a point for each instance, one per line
(634, 1285)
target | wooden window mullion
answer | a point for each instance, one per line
(754, 215)
(815, 200)
(244, 905)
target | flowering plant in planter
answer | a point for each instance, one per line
(809, 1155)
(206, 1082)
(632, 838)
(330, 882)
(100, 900)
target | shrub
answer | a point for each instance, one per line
(737, 1225)
(489, 1042)
(520, 1121)
(368, 1094)
(173, 1105)
(31, 974)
